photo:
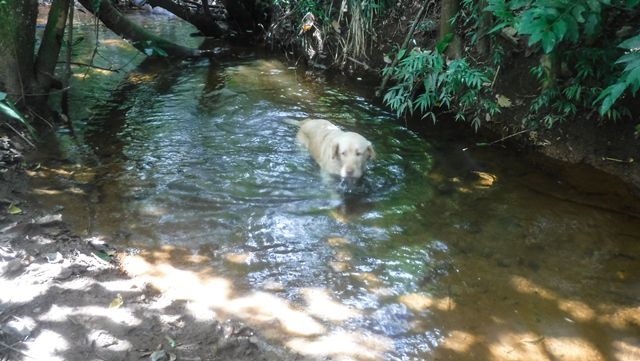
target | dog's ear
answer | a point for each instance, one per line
(335, 150)
(371, 152)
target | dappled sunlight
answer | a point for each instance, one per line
(119, 315)
(238, 258)
(578, 311)
(526, 286)
(178, 284)
(436, 254)
(139, 78)
(517, 346)
(301, 328)
(572, 349)
(321, 305)
(459, 341)
(370, 279)
(115, 42)
(266, 308)
(344, 346)
(56, 192)
(619, 317)
(103, 338)
(46, 346)
(23, 289)
(626, 350)
(421, 302)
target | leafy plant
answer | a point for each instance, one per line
(425, 82)
(8, 109)
(628, 79)
(583, 68)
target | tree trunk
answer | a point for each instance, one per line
(551, 67)
(141, 39)
(17, 42)
(51, 43)
(448, 11)
(203, 22)
(484, 24)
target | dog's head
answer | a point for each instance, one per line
(352, 151)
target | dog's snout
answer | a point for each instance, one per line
(350, 172)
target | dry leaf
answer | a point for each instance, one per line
(503, 101)
(117, 302)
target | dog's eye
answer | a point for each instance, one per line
(344, 153)
(358, 154)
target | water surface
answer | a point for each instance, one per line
(438, 254)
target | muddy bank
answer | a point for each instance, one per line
(67, 298)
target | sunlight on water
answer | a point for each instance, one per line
(437, 254)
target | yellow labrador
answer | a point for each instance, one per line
(337, 152)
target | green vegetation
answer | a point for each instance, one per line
(437, 84)
(588, 61)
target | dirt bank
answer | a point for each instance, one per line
(66, 298)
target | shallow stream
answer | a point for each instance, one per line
(438, 254)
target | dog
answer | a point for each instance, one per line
(337, 152)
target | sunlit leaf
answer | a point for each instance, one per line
(631, 43)
(116, 302)
(549, 41)
(503, 101)
(609, 96)
(10, 111)
(13, 210)
(444, 43)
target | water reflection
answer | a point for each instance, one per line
(437, 254)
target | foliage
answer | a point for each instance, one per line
(9, 111)
(346, 31)
(629, 77)
(589, 61)
(425, 82)
(582, 35)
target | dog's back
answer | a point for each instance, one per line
(337, 152)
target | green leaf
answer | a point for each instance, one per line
(103, 255)
(498, 27)
(632, 3)
(594, 5)
(535, 38)
(592, 24)
(444, 43)
(633, 79)
(577, 12)
(559, 28)
(548, 42)
(13, 210)
(626, 58)
(573, 31)
(3, 96)
(11, 112)
(609, 96)
(631, 43)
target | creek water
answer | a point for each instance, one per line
(437, 254)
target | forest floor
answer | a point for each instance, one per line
(67, 298)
